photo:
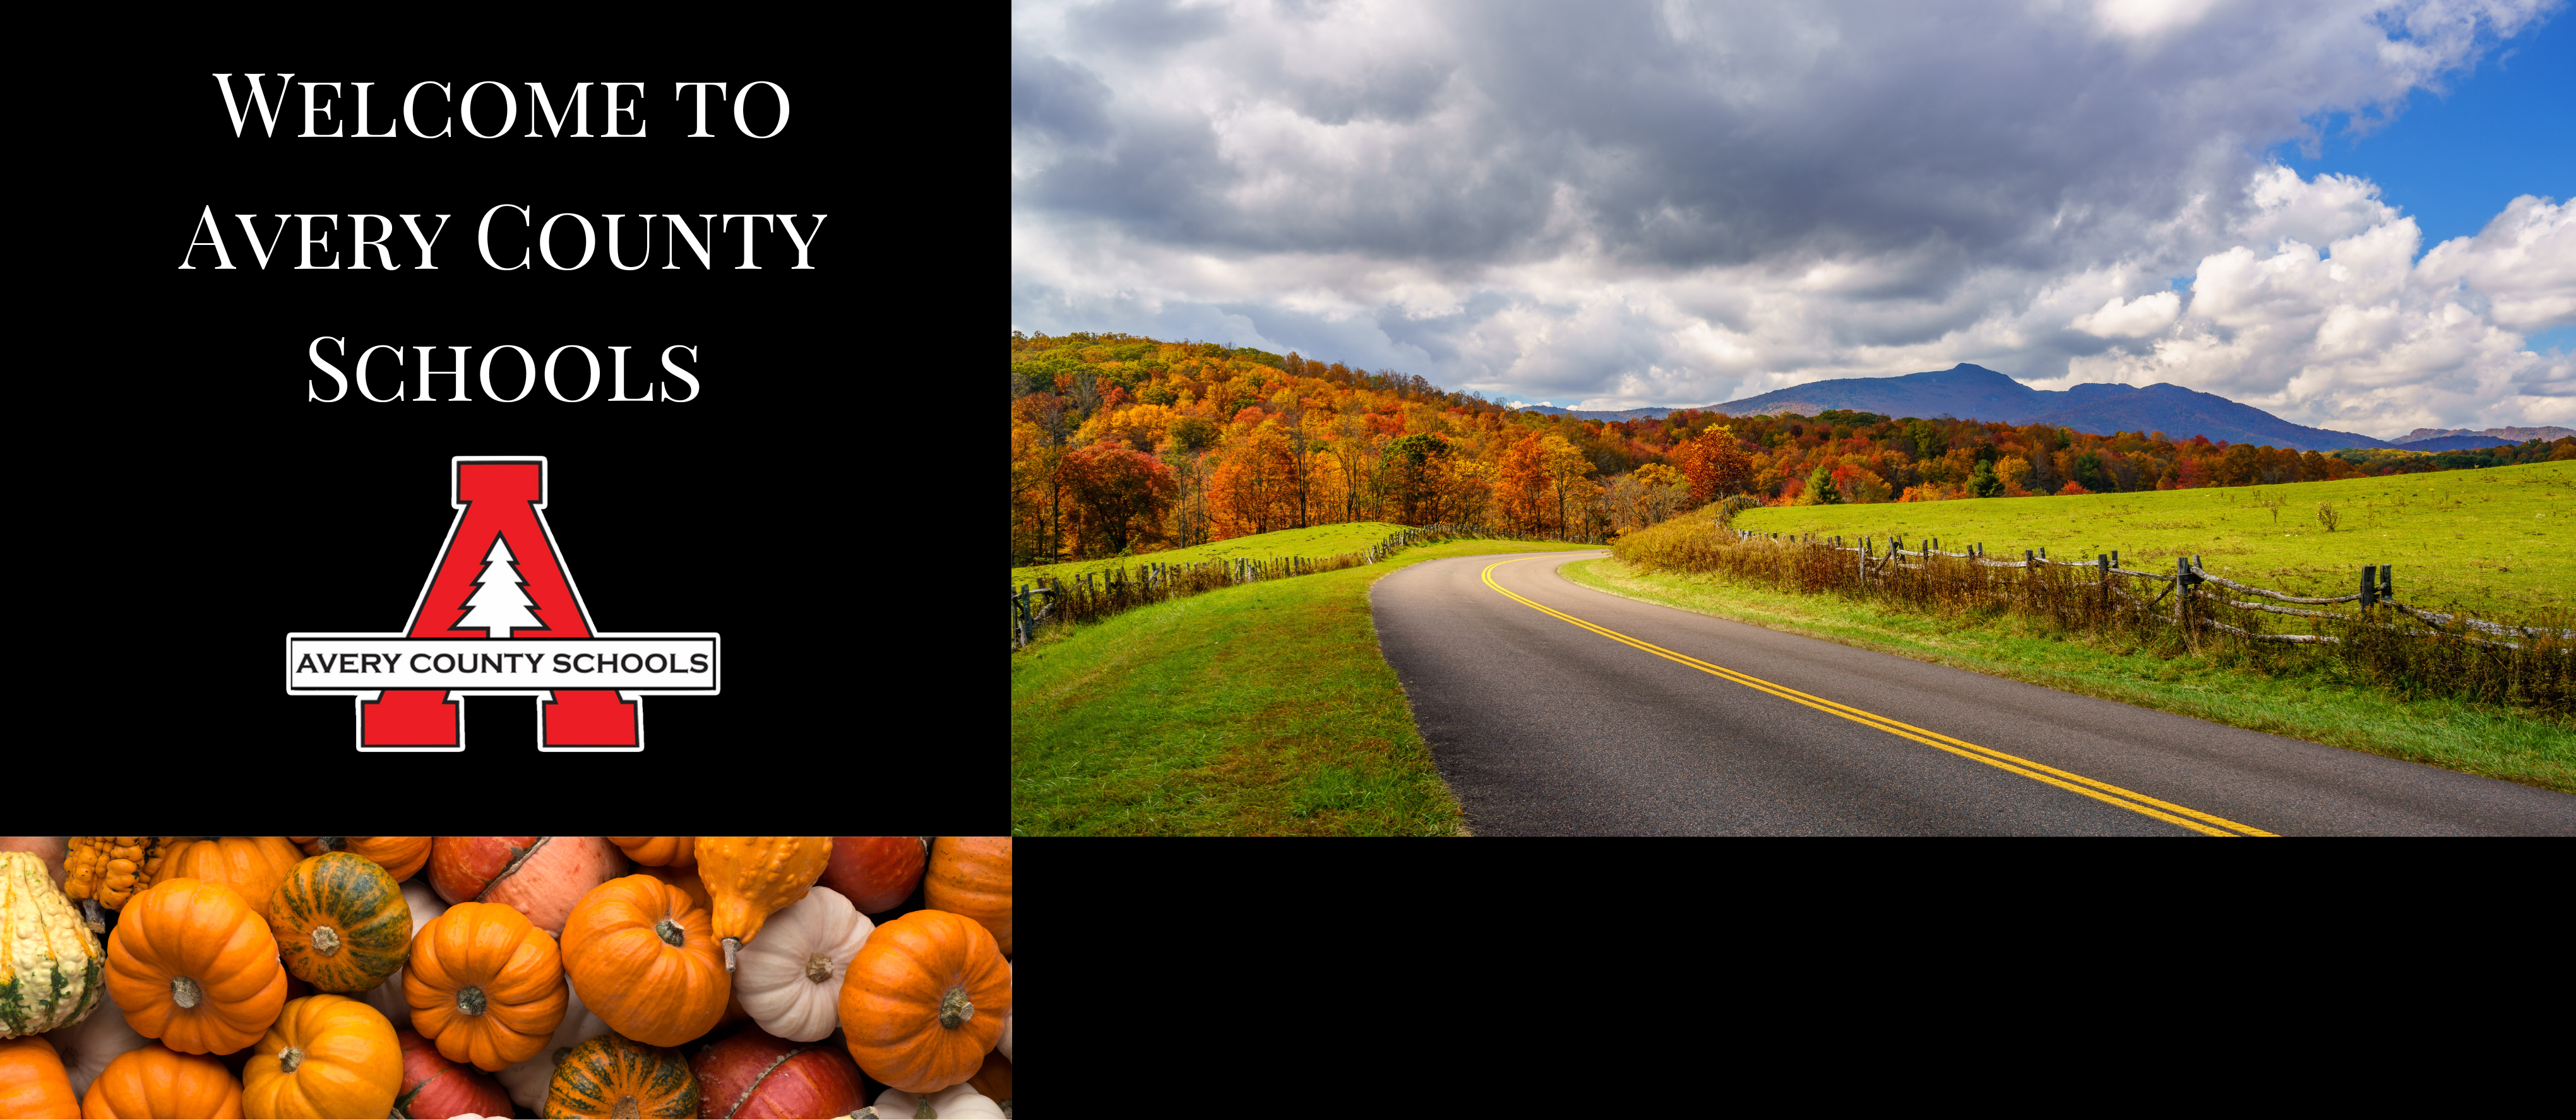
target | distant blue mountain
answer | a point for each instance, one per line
(2455, 443)
(1974, 392)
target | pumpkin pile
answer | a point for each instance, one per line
(416, 976)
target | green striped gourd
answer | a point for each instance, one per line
(52, 972)
(342, 923)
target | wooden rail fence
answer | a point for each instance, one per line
(1098, 594)
(2119, 589)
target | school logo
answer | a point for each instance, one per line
(500, 616)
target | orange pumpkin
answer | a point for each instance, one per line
(753, 877)
(644, 954)
(253, 865)
(485, 984)
(659, 851)
(971, 875)
(190, 963)
(162, 1083)
(32, 1081)
(327, 1056)
(685, 878)
(923, 1002)
(400, 856)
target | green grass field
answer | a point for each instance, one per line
(2498, 540)
(2320, 703)
(1320, 541)
(1263, 709)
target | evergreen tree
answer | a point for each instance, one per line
(498, 604)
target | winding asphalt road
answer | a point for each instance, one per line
(1554, 709)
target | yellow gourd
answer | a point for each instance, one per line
(101, 872)
(750, 878)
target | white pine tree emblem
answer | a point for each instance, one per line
(498, 604)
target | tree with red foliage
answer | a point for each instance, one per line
(1117, 488)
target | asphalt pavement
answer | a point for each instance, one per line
(1546, 727)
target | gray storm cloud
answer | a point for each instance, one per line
(1670, 203)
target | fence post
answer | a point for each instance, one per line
(2182, 601)
(2387, 581)
(2369, 587)
(1020, 618)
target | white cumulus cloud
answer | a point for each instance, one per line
(2135, 318)
(1645, 202)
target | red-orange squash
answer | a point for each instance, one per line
(756, 1074)
(543, 877)
(253, 865)
(400, 856)
(646, 957)
(32, 1081)
(163, 1084)
(924, 1000)
(434, 1087)
(327, 1056)
(190, 963)
(876, 873)
(485, 984)
(971, 875)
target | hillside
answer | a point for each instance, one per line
(1138, 446)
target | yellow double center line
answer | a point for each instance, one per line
(2104, 792)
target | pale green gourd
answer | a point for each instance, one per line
(52, 971)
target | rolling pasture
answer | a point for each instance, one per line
(2501, 540)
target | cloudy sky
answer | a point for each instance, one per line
(2353, 215)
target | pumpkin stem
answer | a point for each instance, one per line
(185, 992)
(954, 1009)
(925, 1112)
(288, 1059)
(332, 843)
(671, 932)
(732, 946)
(326, 940)
(469, 1000)
(818, 968)
(627, 1108)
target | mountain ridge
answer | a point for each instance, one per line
(1973, 391)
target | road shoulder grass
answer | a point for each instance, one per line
(2513, 745)
(1264, 709)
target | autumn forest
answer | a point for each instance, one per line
(1127, 445)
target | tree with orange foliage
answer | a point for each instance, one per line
(1716, 465)
(1521, 485)
(1253, 490)
(1569, 473)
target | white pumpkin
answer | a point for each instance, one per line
(789, 979)
(87, 1046)
(1006, 1016)
(527, 1080)
(957, 1102)
(388, 997)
